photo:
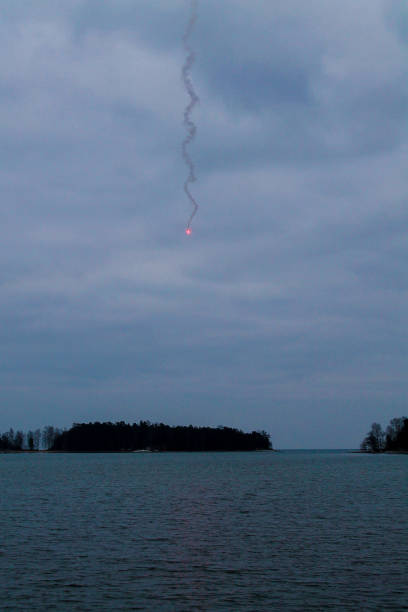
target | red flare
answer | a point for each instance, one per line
(188, 231)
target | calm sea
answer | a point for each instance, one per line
(206, 531)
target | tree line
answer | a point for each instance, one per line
(121, 436)
(37, 439)
(394, 438)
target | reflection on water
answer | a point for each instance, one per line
(217, 531)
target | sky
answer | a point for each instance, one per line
(287, 308)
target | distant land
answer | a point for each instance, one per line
(394, 439)
(142, 436)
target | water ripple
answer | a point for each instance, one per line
(244, 531)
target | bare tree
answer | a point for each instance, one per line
(37, 439)
(48, 436)
(374, 441)
(30, 440)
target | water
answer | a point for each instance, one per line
(216, 531)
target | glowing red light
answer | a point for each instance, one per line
(188, 231)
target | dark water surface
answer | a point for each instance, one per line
(205, 531)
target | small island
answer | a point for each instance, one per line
(142, 436)
(394, 439)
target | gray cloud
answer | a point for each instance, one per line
(286, 309)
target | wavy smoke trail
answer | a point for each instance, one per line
(187, 121)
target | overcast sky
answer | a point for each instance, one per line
(286, 309)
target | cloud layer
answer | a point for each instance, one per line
(287, 308)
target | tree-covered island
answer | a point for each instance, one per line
(393, 439)
(121, 436)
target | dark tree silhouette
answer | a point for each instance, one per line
(395, 437)
(37, 439)
(11, 441)
(30, 440)
(122, 436)
(374, 440)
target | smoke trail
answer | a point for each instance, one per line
(187, 121)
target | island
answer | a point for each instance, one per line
(142, 436)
